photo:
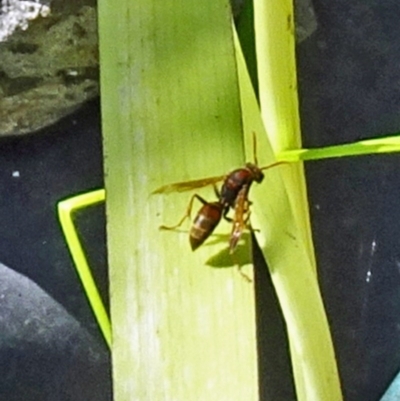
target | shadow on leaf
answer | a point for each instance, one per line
(224, 259)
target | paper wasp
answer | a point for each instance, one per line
(233, 195)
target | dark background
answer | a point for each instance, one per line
(54, 164)
(61, 355)
(349, 90)
(349, 81)
(349, 84)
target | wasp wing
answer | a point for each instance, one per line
(188, 185)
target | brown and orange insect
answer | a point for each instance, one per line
(207, 218)
(233, 195)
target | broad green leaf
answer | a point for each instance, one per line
(183, 329)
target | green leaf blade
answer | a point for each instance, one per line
(181, 329)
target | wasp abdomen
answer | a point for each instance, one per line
(205, 222)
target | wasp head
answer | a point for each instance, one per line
(258, 175)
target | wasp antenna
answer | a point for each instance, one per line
(255, 148)
(273, 165)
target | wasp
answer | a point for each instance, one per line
(232, 195)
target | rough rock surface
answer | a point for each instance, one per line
(50, 69)
(49, 355)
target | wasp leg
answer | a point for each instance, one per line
(239, 269)
(225, 215)
(237, 231)
(253, 230)
(244, 275)
(187, 214)
(216, 191)
(249, 226)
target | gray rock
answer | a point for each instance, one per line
(45, 354)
